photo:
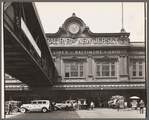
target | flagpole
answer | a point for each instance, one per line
(122, 15)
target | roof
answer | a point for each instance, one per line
(137, 44)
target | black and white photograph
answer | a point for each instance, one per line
(74, 60)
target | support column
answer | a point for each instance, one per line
(90, 66)
(123, 67)
(58, 64)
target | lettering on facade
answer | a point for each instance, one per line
(83, 52)
(83, 41)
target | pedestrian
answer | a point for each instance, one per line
(9, 109)
(141, 106)
(92, 105)
(110, 103)
(125, 104)
(71, 107)
(118, 105)
(79, 104)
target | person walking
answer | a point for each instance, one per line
(79, 104)
(141, 106)
(92, 105)
(71, 107)
(125, 104)
(9, 108)
(118, 105)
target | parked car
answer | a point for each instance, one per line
(36, 105)
(14, 104)
(66, 105)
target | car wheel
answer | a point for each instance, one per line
(55, 108)
(23, 110)
(67, 108)
(44, 110)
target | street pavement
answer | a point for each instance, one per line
(96, 113)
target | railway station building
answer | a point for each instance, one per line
(96, 66)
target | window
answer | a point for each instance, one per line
(34, 102)
(134, 68)
(39, 102)
(140, 68)
(106, 68)
(137, 68)
(74, 69)
(44, 102)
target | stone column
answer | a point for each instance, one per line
(90, 65)
(123, 67)
(125, 72)
(58, 64)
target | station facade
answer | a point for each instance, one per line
(96, 66)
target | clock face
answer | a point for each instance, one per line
(74, 28)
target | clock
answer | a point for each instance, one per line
(74, 28)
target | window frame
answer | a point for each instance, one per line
(100, 70)
(138, 70)
(78, 69)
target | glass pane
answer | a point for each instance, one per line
(113, 67)
(98, 73)
(140, 73)
(81, 68)
(105, 67)
(134, 67)
(113, 73)
(74, 74)
(140, 62)
(98, 62)
(67, 69)
(106, 73)
(39, 102)
(66, 74)
(74, 68)
(140, 67)
(44, 102)
(98, 68)
(81, 74)
(134, 73)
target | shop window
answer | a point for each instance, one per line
(74, 68)
(137, 68)
(105, 68)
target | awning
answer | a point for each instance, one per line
(98, 87)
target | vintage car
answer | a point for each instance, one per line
(66, 105)
(36, 105)
(14, 104)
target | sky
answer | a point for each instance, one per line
(100, 17)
